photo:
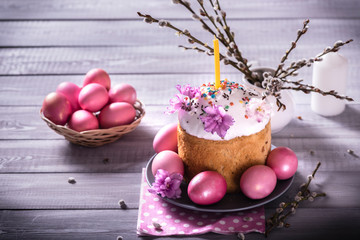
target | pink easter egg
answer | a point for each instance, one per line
(99, 76)
(166, 138)
(57, 108)
(116, 114)
(93, 97)
(123, 92)
(283, 161)
(207, 188)
(169, 161)
(71, 92)
(258, 181)
(83, 120)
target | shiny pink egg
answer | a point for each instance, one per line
(99, 76)
(93, 97)
(258, 181)
(57, 108)
(123, 93)
(283, 161)
(71, 92)
(116, 114)
(207, 188)
(83, 120)
(169, 161)
(166, 138)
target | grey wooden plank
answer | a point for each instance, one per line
(25, 123)
(136, 32)
(144, 59)
(315, 125)
(309, 224)
(104, 190)
(59, 156)
(122, 156)
(52, 191)
(151, 88)
(112, 9)
(95, 224)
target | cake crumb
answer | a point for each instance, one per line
(247, 219)
(106, 160)
(352, 153)
(122, 204)
(312, 152)
(157, 226)
(241, 236)
(300, 118)
(71, 180)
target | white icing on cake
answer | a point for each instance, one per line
(233, 98)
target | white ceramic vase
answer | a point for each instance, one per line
(279, 119)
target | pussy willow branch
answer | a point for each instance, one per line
(293, 45)
(335, 48)
(150, 19)
(211, 53)
(216, 12)
(234, 48)
(205, 14)
(194, 48)
(205, 26)
(295, 66)
(245, 69)
(278, 218)
(169, 25)
(280, 104)
(307, 89)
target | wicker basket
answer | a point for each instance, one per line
(98, 137)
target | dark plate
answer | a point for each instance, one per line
(231, 201)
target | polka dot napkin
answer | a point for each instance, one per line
(159, 218)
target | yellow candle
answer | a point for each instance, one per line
(217, 62)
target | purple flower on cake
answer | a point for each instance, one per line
(258, 109)
(176, 103)
(187, 90)
(185, 100)
(167, 185)
(216, 120)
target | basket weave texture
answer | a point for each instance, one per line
(97, 137)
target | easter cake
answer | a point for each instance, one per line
(225, 130)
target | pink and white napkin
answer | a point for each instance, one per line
(160, 218)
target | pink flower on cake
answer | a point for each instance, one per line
(167, 185)
(176, 103)
(258, 109)
(187, 90)
(216, 120)
(185, 100)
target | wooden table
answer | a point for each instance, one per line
(44, 43)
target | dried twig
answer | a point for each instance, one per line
(279, 217)
(191, 39)
(293, 46)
